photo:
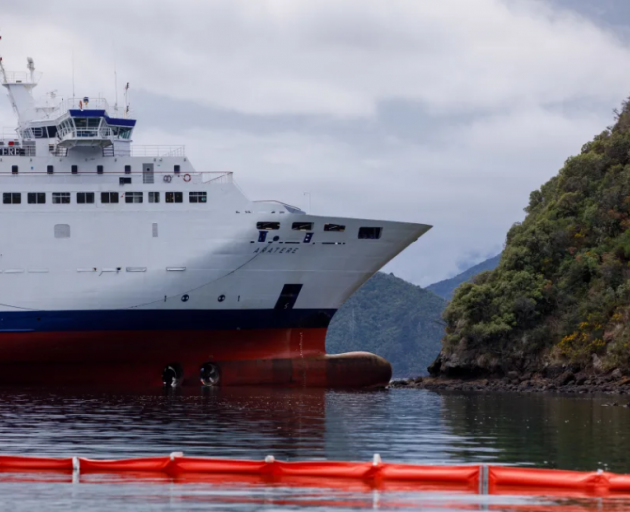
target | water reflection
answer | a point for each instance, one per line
(540, 430)
(402, 425)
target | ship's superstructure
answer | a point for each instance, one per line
(124, 262)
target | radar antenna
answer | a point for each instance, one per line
(30, 64)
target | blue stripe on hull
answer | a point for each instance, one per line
(117, 320)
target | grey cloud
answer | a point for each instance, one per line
(431, 112)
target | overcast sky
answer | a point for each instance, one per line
(445, 112)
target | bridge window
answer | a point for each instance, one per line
(154, 197)
(61, 197)
(197, 197)
(133, 197)
(85, 197)
(36, 197)
(11, 198)
(14, 169)
(99, 169)
(174, 197)
(302, 226)
(50, 169)
(370, 233)
(127, 169)
(268, 225)
(334, 227)
(109, 197)
(74, 169)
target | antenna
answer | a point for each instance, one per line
(126, 100)
(30, 65)
(115, 86)
(73, 74)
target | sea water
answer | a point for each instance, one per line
(407, 426)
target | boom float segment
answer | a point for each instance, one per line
(481, 479)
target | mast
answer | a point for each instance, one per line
(20, 88)
(5, 82)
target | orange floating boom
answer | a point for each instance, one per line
(484, 479)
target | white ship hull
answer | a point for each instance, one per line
(125, 263)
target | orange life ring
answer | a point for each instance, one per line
(186, 177)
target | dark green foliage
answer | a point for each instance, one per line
(446, 288)
(392, 318)
(562, 286)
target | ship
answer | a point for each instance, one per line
(124, 264)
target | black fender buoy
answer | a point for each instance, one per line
(172, 375)
(209, 374)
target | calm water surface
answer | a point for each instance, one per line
(402, 425)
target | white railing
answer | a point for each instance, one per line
(20, 77)
(146, 151)
(76, 103)
(7, 133)
(158, 150)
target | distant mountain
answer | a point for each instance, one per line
(446, 288)
(392, 318)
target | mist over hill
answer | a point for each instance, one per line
(446, 288)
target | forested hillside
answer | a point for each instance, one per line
(561, 292)
(446, 288)
(392, 318)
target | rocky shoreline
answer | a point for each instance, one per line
(566, 383)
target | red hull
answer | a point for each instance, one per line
(286, 357)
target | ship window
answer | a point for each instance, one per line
(50, 169)
(85, 197)
(370, 233)
(74, 169)
(176, 169)
(62, 230)
(124, 181)
(133, 197)
(109, 197)
(14, 169)
(197, 197)
(268, 225)
(302, 226)
(174, 197)
(36, 197)
(154, 197)
(334, 227)
(127, 169)
(61, 197)
(11, 198)
(99, 169)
